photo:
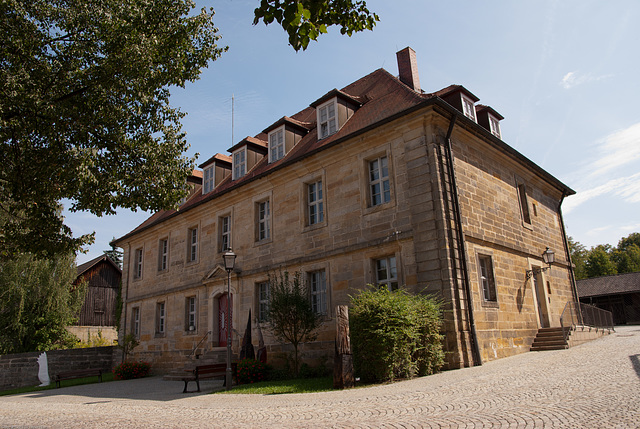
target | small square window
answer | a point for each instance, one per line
(276, 144)
(192, 249)
(263, 301)
(327, 120)
(486, 278)
(315, 203)
(386, 273)
(469, 108)
(379, 185)
(239, 163)
(137, 264)
(494, 125)
(264, 221)
(163, 254)
(318, 289)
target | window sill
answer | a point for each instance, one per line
(490, 304)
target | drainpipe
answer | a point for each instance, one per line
(123, 325)
(565, 241)
(475, 349)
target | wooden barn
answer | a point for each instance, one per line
(98, 313)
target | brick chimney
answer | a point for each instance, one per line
(408, 68)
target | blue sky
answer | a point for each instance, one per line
(564, 74)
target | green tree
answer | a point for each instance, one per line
(290, 316)
(627, 259)
(305, 20)
(599, 262)
(37, 301)
(84, 104)
(579, 255)
(114, 254)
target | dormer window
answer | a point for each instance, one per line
(327, 120)
(276, 144)
(208, 182)
(239, 163)
(494, 125)
(468, 108)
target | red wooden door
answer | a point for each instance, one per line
(224, 304)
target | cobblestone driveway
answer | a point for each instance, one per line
(595, 385)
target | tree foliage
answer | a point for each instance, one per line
(394, 334)
(85, 114)
(37, 302)
(605, 260)
(290, 316)
(305, 20)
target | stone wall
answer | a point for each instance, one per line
(21, 369)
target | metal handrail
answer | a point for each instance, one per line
(578, 313)
(198, 345)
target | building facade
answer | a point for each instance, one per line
(376, 183)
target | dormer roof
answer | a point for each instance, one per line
(358, 101)
(256, 144)
(285, 120)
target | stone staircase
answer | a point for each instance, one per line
(549, 339)
(210, 357)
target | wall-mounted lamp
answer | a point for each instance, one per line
(548, 256)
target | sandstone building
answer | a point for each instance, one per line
(375, 183)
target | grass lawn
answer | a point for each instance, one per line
(106, 376)
(300, 385)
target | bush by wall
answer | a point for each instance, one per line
(251, 371)
(394, 334)
(129, 369)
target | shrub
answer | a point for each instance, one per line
(128, 370)
(394, 334)
(251, 371)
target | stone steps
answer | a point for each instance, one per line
(549, 339)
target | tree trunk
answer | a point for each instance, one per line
(343, 362)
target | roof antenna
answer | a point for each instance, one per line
(233, 98)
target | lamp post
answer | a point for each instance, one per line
(229, 262)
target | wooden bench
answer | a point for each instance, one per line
(78, 373)
(207, 371)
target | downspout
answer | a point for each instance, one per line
(475, 349)
(565, 241)
(126, 297)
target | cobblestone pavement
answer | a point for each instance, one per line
(595, 385)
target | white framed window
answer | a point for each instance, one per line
(487, 280)
(137, 263)
(190, 304)
(318, 290)
(494, 126)
(208, 180)
(225, 233)
(160, 318)
(135, 321)
(386, 273)
(327, 119)
(379, 186)
(263, 301)
(276, 144)
(315, 203)
(192, 248)
(264, 220)
(163, 254)
(239, 163)
(524, 204)
(468, 108)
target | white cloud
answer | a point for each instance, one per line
(616, 150)
(626, 187)
(573, 79)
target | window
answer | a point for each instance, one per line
(494, 126)
(379, 181)
(315, 203)
(137, 264)
(386, 273)
(468, 108)
(225, 233)
(239, 163)
(160, 318)
(327, 120)
(135, 321)
(318, 288)
(486, 278)
(192, 249)
(190, 305)
(208, 181)
(276, 144)
(264, 219)
(263, 301)
(163, 254)
(524, 203)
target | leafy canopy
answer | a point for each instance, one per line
(605, 260)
